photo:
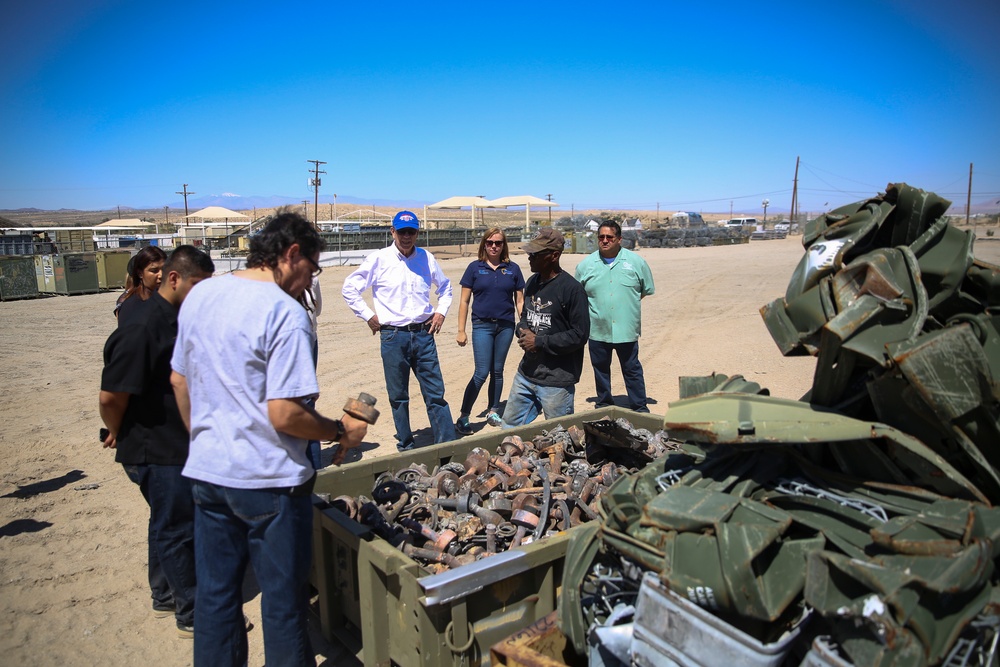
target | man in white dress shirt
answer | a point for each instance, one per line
(401, 277)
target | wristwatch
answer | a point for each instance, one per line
(341, 430)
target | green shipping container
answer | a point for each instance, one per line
(75, 273)
(112, 265)
(17, 277)
(371, 593)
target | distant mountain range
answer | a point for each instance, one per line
(246, 203)
(239, 202)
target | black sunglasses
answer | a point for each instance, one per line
(318, 269)
(409, 231)
(495, 242)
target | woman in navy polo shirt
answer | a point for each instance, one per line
(495, 286)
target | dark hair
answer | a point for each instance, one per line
(284, 230)
(189, 261)
(613, 225)
(504, 252)
(144, 258)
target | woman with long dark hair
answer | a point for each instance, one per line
(495, 286)
(145, 273)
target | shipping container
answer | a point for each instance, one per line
(112, 267)
(374, 595)
(75, 273)
(17, 277)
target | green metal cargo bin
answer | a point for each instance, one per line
(75, 273)
(17, 277)
(408, 617)
(112, 267)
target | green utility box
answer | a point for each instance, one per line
(112, 266)
(369, 592)
(17, 277)
(75, 273)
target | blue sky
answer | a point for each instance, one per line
(603, 105)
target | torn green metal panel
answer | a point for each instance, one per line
(752, 420)
(695, 385)
(907, 601)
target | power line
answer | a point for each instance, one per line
(315, 184)
(185, 193)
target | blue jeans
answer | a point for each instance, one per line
(170, 537)
(273, 531)
(527, 400)
(628, 357)
(490, 345)
(403, 351)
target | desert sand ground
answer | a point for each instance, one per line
(73, 585)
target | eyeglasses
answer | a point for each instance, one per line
(540, 253)
(607, 237)
(318, 269)
(496, 243)
(409, 231)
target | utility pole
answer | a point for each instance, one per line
(315, 183)
(335, 206)
(968, 197)
(166, 218)
(305, 208)
(657, 214)
(549, 197)
(795, 195)
(185, 193)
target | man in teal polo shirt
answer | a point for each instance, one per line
(616, 280)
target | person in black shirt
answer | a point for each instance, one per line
(150, 440)
(553, 330)
(145, 275)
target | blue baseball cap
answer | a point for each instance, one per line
(405, 220)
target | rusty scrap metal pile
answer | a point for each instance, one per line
(461, 512)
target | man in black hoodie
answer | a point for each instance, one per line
(554, 328)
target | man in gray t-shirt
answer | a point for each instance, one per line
(242, 369)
